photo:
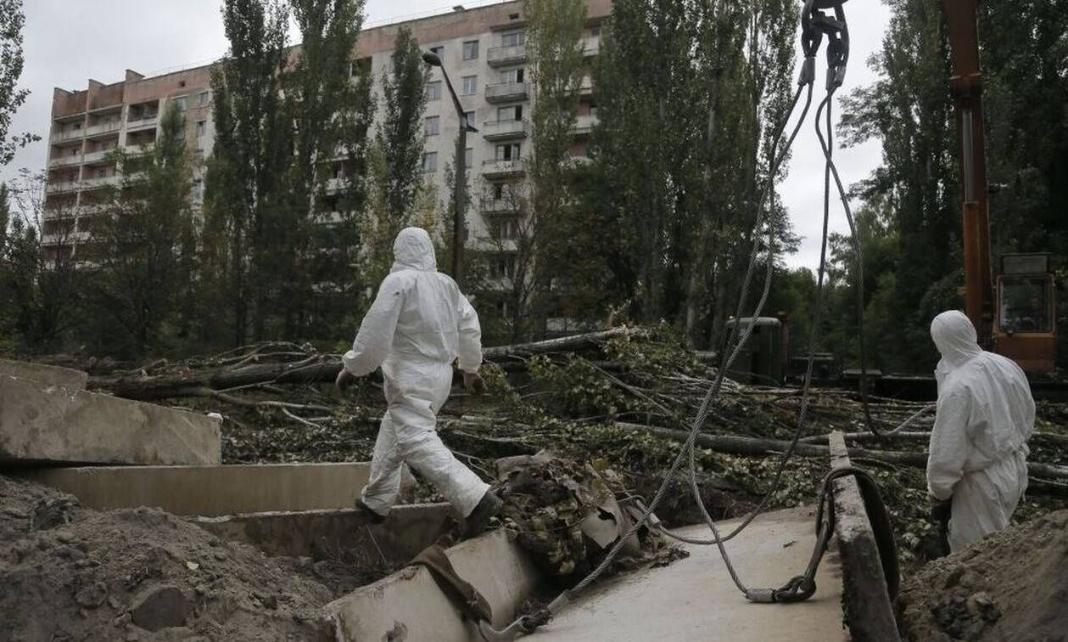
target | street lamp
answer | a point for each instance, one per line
(459, 189)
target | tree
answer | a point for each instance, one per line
(244, 199)
(11, 62)
(143, 248)
(325, 100)
(395, 177)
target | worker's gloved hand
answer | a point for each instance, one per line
(344, 380)
(941, 509)
(474, 383)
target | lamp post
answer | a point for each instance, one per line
(459, 189)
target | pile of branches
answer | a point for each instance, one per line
(625, 396)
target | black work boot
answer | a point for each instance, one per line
(479, 519)
(373, 517)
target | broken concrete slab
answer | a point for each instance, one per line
(59, 426)
(869, 612)
(212, 490)
(410, 603)
(323, 533)
(44, 375)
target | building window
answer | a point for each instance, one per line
(498, 191)
(430, 162)
(595, 31)
(510, 113)
(470, 85)
(513, 38)
(512, 75)
(503, 266)
(438, 51)
(508, 152)
(470, 50)
(469, 157)
(181, 102)
(202, 128)
(203, 98)
(469, 118)
(432, 126)
(505, 230)
(433, 90)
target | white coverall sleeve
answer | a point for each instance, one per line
(949, 445)
(375, 337)
(470, 337)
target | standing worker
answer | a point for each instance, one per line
(418, 325)
(977, 467)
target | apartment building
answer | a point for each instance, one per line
(483, 51)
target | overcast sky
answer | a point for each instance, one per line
(69, 41)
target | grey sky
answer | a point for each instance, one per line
(69, 41)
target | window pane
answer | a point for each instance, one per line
(433, 90)
(430, 162)
(1025, 304)
(471, 50)
(432, 125)
(470, 85)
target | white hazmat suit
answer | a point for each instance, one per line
(978, 453)
(417, 326)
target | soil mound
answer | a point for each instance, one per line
(68, 573)
(1009, 586)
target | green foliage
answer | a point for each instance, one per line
(143, 250)
(11, 61)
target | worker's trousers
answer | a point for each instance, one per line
(407, 435)
(984, 500)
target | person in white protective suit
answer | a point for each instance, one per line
(418, 325)
(985, 415)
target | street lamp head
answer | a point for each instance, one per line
(431, 59)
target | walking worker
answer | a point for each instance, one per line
(419, 324)
(986, 414)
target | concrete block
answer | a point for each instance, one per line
(59, 426)
(212, 490)
(869, 614)
(44, 375)
(326, 533)
(409, 605)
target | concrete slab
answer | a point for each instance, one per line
(869, 612)
(321, 534)
(58, 426)
(408, 605)
(44, 375)
(694, 599)
(212, 490)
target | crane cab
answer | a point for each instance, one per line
(1025, 327)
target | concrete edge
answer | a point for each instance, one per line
(869, 613)
(409, 605)
(45, 375)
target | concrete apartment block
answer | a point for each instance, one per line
(213, 490)
(60, 426)
(409, 605)
(44, 375)
(483, 50)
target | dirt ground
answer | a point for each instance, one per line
(144, 574)
(1010, 586)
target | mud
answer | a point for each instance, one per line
(1009, 586)
(69, 573)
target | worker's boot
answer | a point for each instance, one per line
(372, 516)
(479, 519)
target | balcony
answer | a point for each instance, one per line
(500, 206)
(505, 130)
(584, 125)
(103, 181)
(506, 92)
(62, 239)
(67, 134)
(591, 46)
(586, 88)
(139, 123)
(61, 187)
(98, 157)
(500, 168)
(103, 129)
(65, 161)
(500, 56)
(336, 185)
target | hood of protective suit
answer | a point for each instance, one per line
(954, 336)
(413, 251)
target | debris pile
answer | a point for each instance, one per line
(143, 574)
(1010, 586)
